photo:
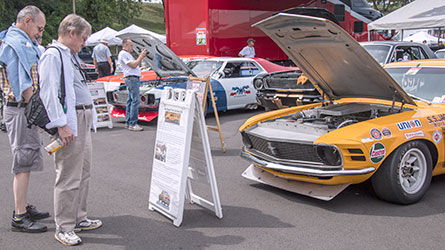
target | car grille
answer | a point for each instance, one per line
(285, 150)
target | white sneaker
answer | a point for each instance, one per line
(135, 128)
(87, 224)
(69, 238)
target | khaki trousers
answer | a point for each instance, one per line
(73, 171)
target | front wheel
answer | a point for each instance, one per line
(405, 175)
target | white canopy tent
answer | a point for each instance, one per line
(416, 15)
(105, 33)
(421, 37)
(134, 29)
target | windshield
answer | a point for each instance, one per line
(426, 83)
(440, 54)
(204, 68)
(379, 52)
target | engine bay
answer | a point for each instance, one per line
(335, 116)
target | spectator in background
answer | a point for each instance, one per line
(132, 73)
(74, 121)
(19, 57)
(102, 58)
(249, 50)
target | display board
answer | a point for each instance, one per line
(181, 129)
(100, 102)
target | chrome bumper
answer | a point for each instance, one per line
(303, 170)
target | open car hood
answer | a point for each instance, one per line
(331, 58)
(162, 60)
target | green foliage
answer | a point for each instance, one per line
(387, 6)
(151, 18)
(102, 13)
(99, 13)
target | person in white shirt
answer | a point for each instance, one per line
(132, 73)
(102, 58)
(74, 120)
(249, 50)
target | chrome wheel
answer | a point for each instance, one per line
(412, 171)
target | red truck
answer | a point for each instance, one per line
(222, 27)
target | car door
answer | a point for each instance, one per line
(238, 83)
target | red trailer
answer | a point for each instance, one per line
(222, 27)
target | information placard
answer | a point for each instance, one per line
(172, 165)
(100, 102)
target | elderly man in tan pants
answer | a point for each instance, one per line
(73, 120)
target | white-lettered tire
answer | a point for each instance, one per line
(405, 175)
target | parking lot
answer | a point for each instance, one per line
(255, 216)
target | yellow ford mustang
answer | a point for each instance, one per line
(368, 126)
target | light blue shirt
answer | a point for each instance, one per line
(124, 58)
(101, 53)
(76, 91)
(248, 52)
(19, 53)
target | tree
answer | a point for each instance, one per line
(386, 6)
(99, 13)
(102, 13)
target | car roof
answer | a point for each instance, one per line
(392, 43)
(418, 63)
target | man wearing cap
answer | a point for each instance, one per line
(102, 58)
(249, 50)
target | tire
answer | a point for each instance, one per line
(405, 175)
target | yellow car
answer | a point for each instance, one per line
(367, 127)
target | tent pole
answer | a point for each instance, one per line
(402, 36)
(438, 38)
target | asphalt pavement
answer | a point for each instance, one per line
(256, 216)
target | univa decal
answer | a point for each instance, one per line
(377, 152)
(376, 134)
(409, 124)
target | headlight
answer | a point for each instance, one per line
(329, 155)
(258, 84)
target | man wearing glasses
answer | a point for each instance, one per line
(19, 56)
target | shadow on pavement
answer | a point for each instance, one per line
(134, 232)
(360, 200)
(236, 217)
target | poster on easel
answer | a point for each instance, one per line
(172, 168)
(101, 106)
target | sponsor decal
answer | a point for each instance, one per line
(237, 91)
(437, 120)
(366, 140)
(386, 132)
(414, 134)
(437, 136)
(376, 134)
(409, 124)
(413, 71)
(377, 152)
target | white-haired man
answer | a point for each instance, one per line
(73, 120)
(19, 57)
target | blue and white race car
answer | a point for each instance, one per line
(231, 78)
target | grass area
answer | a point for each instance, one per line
(151, 18)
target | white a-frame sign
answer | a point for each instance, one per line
(182, 157)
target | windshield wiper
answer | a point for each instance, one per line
(419, 98)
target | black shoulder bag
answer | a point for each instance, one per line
(35, 111)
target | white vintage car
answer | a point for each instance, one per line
(231, 78)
